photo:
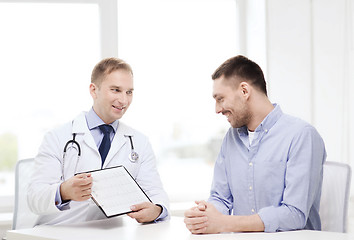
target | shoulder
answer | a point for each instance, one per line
(141, 141)
(297, 128)
(130, 131)
(67, 127)
(286, 123)
(294, 123)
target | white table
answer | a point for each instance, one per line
(124, 228)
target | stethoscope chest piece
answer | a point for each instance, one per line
(133, 156)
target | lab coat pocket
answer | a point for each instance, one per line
(132, 168)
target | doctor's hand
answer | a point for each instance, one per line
(77, 188)
(145, 212)
(204, 218)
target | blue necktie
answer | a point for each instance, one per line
(106, 141)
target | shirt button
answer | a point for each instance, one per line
(250, 187)
(266, 130)
(251, 164)
(252, 210)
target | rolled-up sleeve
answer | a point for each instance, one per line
(220, 193)
(303, 182)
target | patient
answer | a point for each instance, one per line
(268, 174)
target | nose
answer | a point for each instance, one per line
(123, 99)
(218, 108)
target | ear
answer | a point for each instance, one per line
(245, 89)
(93, 89)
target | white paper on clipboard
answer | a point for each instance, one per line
(114, 190)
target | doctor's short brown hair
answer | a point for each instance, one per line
(107, 66)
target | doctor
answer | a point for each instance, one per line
(56, 194)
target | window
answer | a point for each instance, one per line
(46, 61)
(173, 47)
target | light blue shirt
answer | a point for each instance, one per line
(93, 123)
(279, 175)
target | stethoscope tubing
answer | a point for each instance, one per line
(73, 142)
(133, 156)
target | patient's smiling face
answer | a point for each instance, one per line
(229, 101)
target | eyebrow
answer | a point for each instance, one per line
(119, 87)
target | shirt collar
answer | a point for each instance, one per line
(93, 120)
(267, 122)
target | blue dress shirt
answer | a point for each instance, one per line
(93, 123)
(279, 175)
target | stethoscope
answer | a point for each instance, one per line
(133, 156)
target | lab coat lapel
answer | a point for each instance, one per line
(118, 142)
(80, 127)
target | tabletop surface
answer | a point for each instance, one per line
(124, 227)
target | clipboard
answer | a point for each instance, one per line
(114, 190)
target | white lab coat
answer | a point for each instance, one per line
(49, 163)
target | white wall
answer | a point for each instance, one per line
(289, 61)
(310, 67)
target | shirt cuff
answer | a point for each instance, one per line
(269, 219)
(282, 218)
(221, 207)
(59, 202)
(164, 214)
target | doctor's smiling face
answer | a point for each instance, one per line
(112, 95)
